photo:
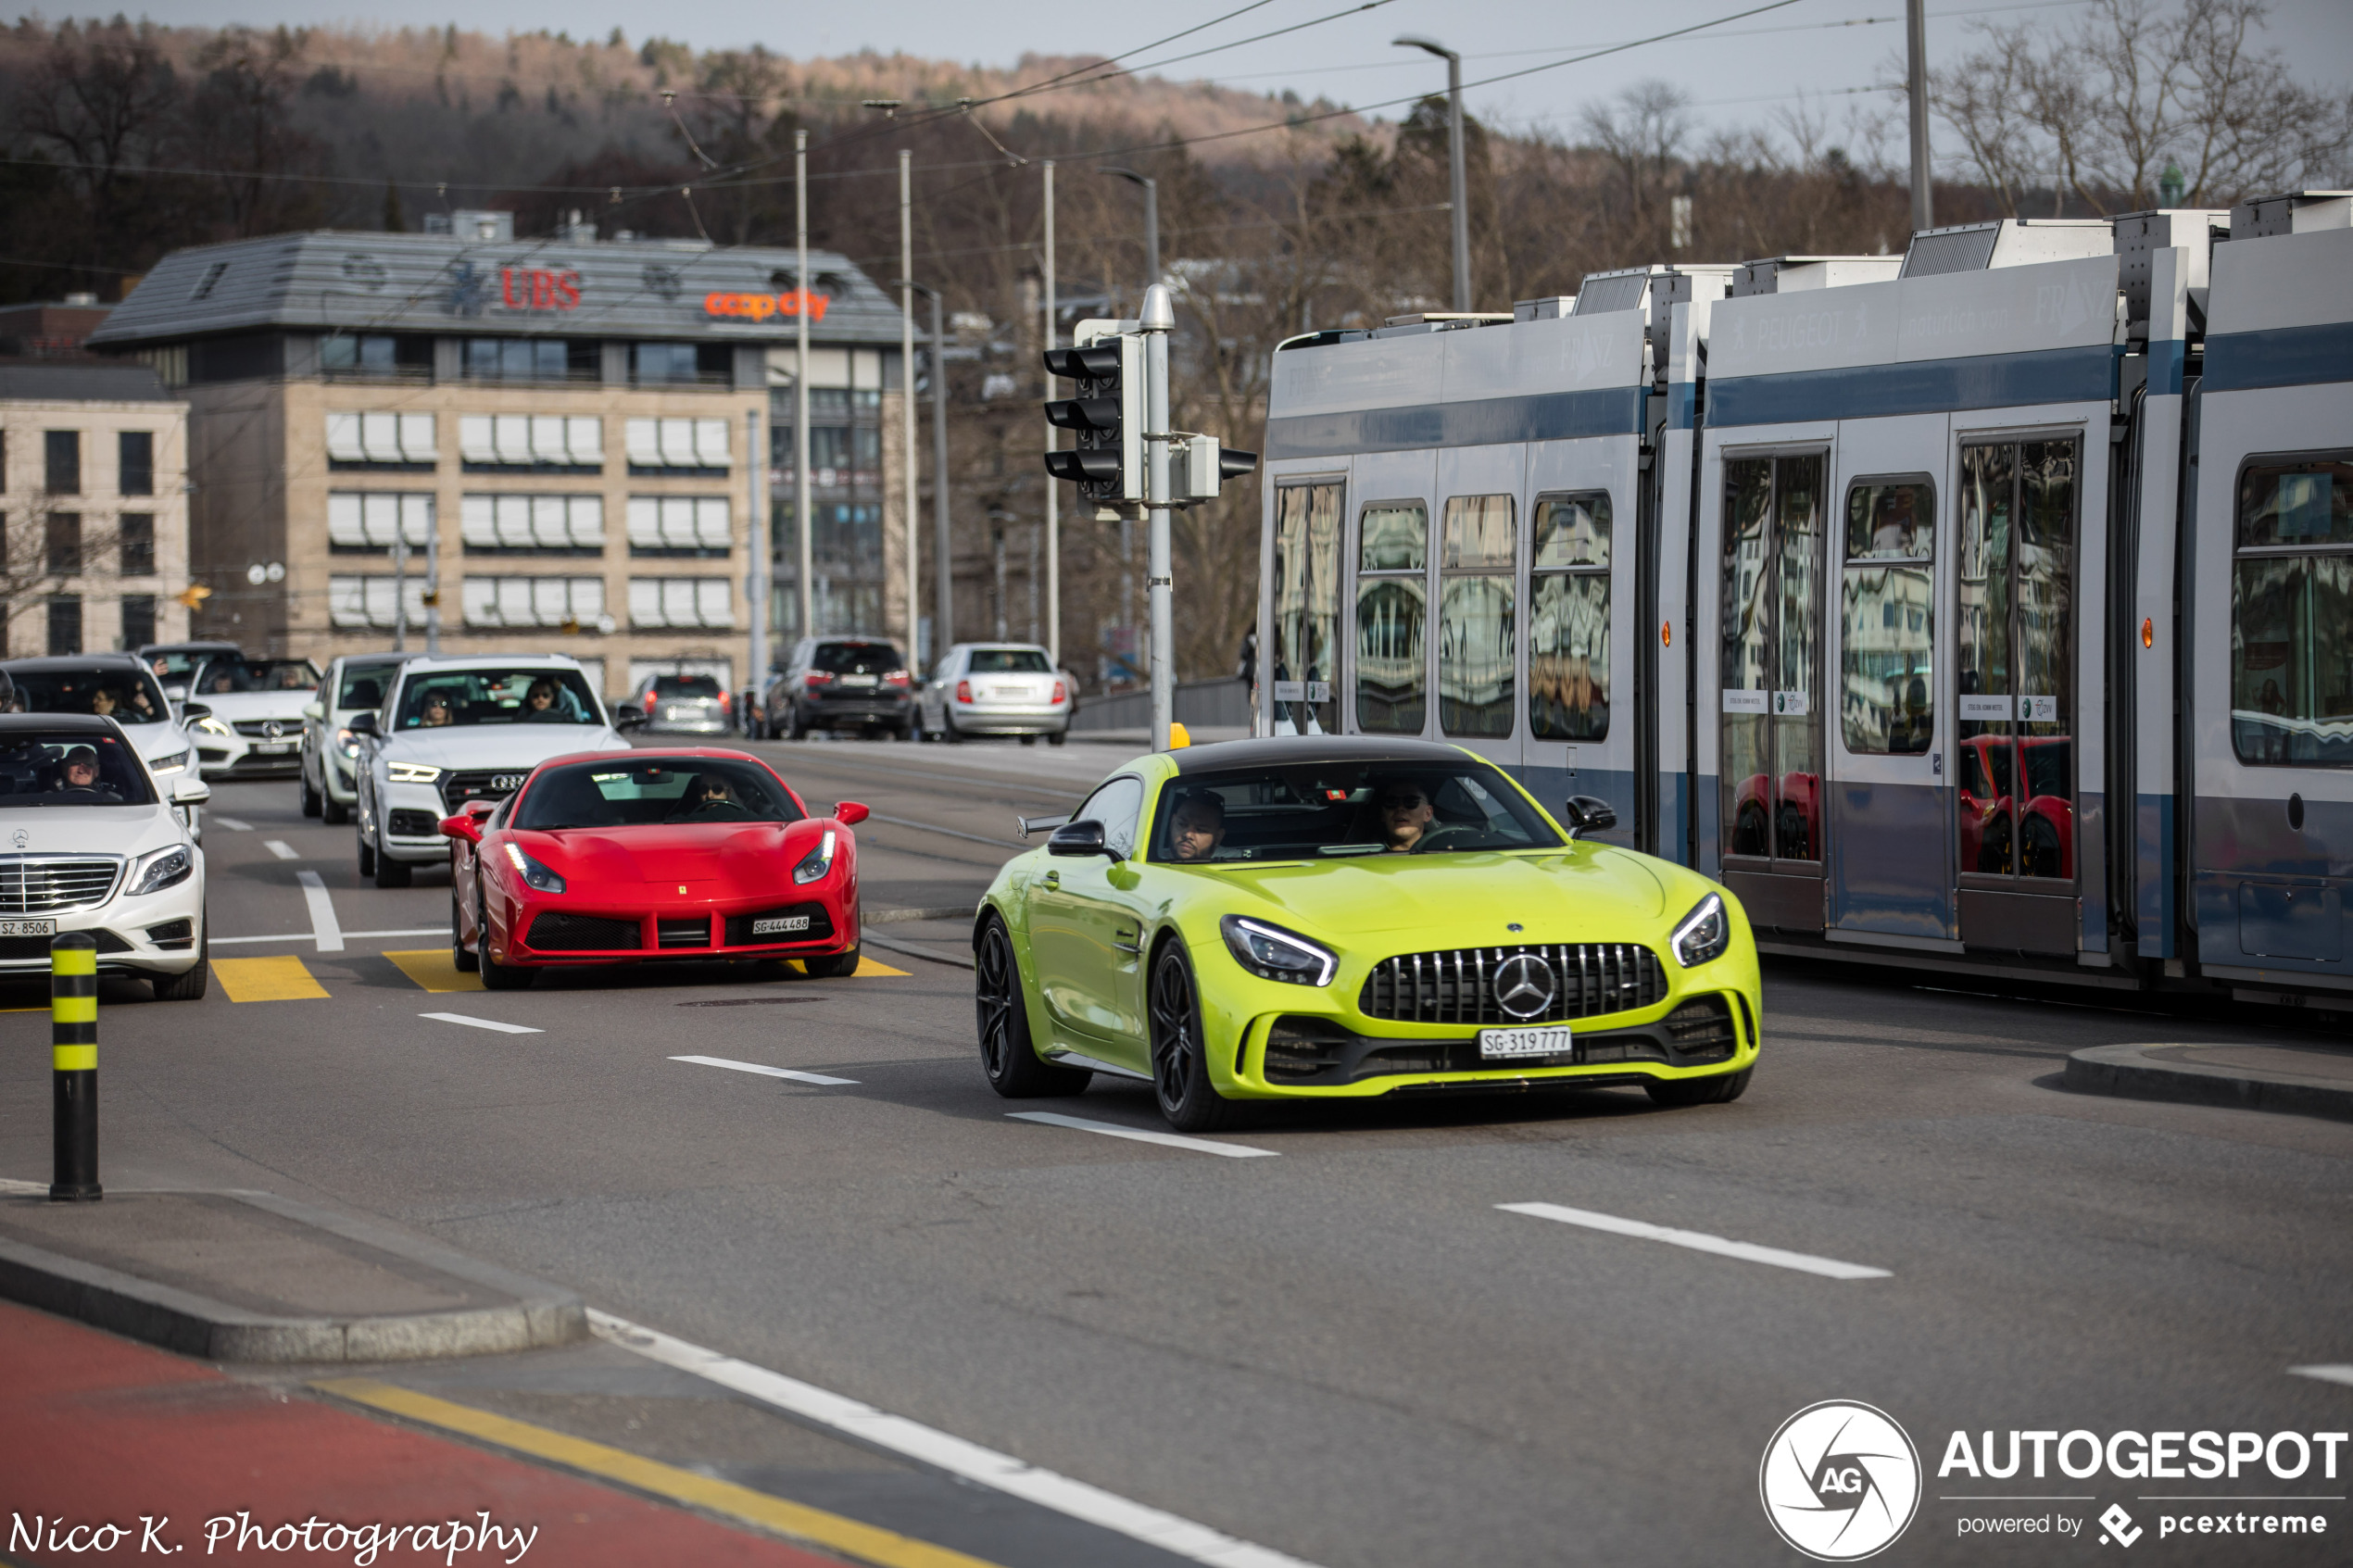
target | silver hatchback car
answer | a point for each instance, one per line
(689, 704)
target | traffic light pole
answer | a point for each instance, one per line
(1158, 319)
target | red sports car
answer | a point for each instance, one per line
(615, 857)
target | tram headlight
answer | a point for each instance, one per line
(1704, 934)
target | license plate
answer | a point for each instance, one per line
(779, 925)
(1496, 1044)
(272, 747)
(857, 679)
(28, 928)
(1009, 694)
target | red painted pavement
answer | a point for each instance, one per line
(96, 1430)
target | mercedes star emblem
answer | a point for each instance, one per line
(1524, 986)
(23, 839)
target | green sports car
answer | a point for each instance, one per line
(1332, 917)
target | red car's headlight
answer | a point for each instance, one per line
(534, 876)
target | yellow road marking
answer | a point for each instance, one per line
(434, 969)
(267, 980)
(867, 1543)
(868, 969)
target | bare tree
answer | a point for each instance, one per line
(1641, 131)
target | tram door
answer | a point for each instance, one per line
(2013, 666)
(1770, 765)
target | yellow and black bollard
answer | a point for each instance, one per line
(73, 1062)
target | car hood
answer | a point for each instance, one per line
(497, 746)
(89, 830)
(727, 858)
(1589, 891)
(157, 740)
(229, 706)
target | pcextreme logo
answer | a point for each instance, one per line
(1839, 1481)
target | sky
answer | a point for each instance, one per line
(1830, 54)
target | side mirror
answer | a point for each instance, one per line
(190, 790)
(363, 724)
(315, 712)
(465, 824)
(628, 716)
(194, 710)
(1079, 839)
(1590, 813)
(850, 813)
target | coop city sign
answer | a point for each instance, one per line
(761, 307)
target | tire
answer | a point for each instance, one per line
(1057, 738)
(465, 959)
(391, 872)
(904, 731)
(1030, 740)
(312, 803)
(497, 976)
(190, 986)
(367, 856)
(1188, 1101)
(832, 966)
(949, 733)
(1000, 1015)
(1722, 1089)
(333, 812)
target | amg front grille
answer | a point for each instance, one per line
(585, 933)
(684, 931)
(481, 783)
(41, 884)
(1585, 980)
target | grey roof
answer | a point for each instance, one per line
(327, 280)
(81, 383)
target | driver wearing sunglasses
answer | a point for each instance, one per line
(1405, 812)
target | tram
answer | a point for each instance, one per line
(1988, 607)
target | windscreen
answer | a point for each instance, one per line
(1311, 810)
(118, 692)
(686, 685)
(1009, 661)
(440, 698)
(857, 658)
(69, 769)
(638, 792)
(363, 685)
(175, 665)
(231, 677)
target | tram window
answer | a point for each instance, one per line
(1887, 619)
(1568, 618)
(2292, 614)
(1392, 607)
(1306, 607)
(1478, 643)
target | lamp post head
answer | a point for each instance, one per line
(889, 106)
(1415, 40)
(1132, 177)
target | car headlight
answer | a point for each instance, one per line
(534, 876)
(1704, 934)
(165, 868)
(817, 862)
(171, 764)
(411, 772)
(1272, 953)
(213, 726)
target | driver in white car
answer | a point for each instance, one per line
(79, 770)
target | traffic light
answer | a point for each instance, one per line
(1107, 415)
(1204, 464)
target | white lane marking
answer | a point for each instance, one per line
(29, 1189)
(1167, 1140)
(322, 912)
(930, 1446)
(1698, 1241)
(481, 1024)
(233, 824)
(2326, 1373)
(763, 1071)
(280, 848)
(353, 936)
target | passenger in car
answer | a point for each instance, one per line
(437, 711)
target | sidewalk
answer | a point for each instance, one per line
(2306, 1080)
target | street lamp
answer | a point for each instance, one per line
(1456, 179)
(943, 568)
(1151, 221)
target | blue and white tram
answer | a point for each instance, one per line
(1990, 606)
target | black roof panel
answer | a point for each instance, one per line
(1288, 750)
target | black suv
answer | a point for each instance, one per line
(842, 683)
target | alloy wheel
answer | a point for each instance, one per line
(994, 1000)
(1174, 1059)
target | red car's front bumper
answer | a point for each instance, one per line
(574, 930)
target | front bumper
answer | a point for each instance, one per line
(243, 756)
(154, 934)
(582, 928)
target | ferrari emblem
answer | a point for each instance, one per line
(682, 887)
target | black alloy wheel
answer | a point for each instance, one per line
(1008, 1054)
(1188, 1101)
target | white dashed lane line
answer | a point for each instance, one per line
(1748, 1251)
(797, 1077)
(1139, 1135)
(280, 848)
(473, 1023)
(2325, 1373)
(324, 927)
(234, 825)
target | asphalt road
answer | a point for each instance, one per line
(1349, 1353)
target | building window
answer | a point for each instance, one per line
(376, 356)
(64, 541)
(680, 603)
(138, 620)
(678, 448)
(1887, 618)
(563, 603)
(533, 358)
(385, 443)
(361, 522)
(369, 603)
(704, 364)
(560, 525)
(679, 525)
(1568, 618)
(65, 625)
(135, 463)
(2291, 613)
(543, 442)
(1392, 597)
(63, 449)
(138, 541)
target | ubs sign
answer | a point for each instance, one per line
(538, 288)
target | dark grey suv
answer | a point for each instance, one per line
(842, 683)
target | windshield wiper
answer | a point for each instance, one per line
(1351, 849)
